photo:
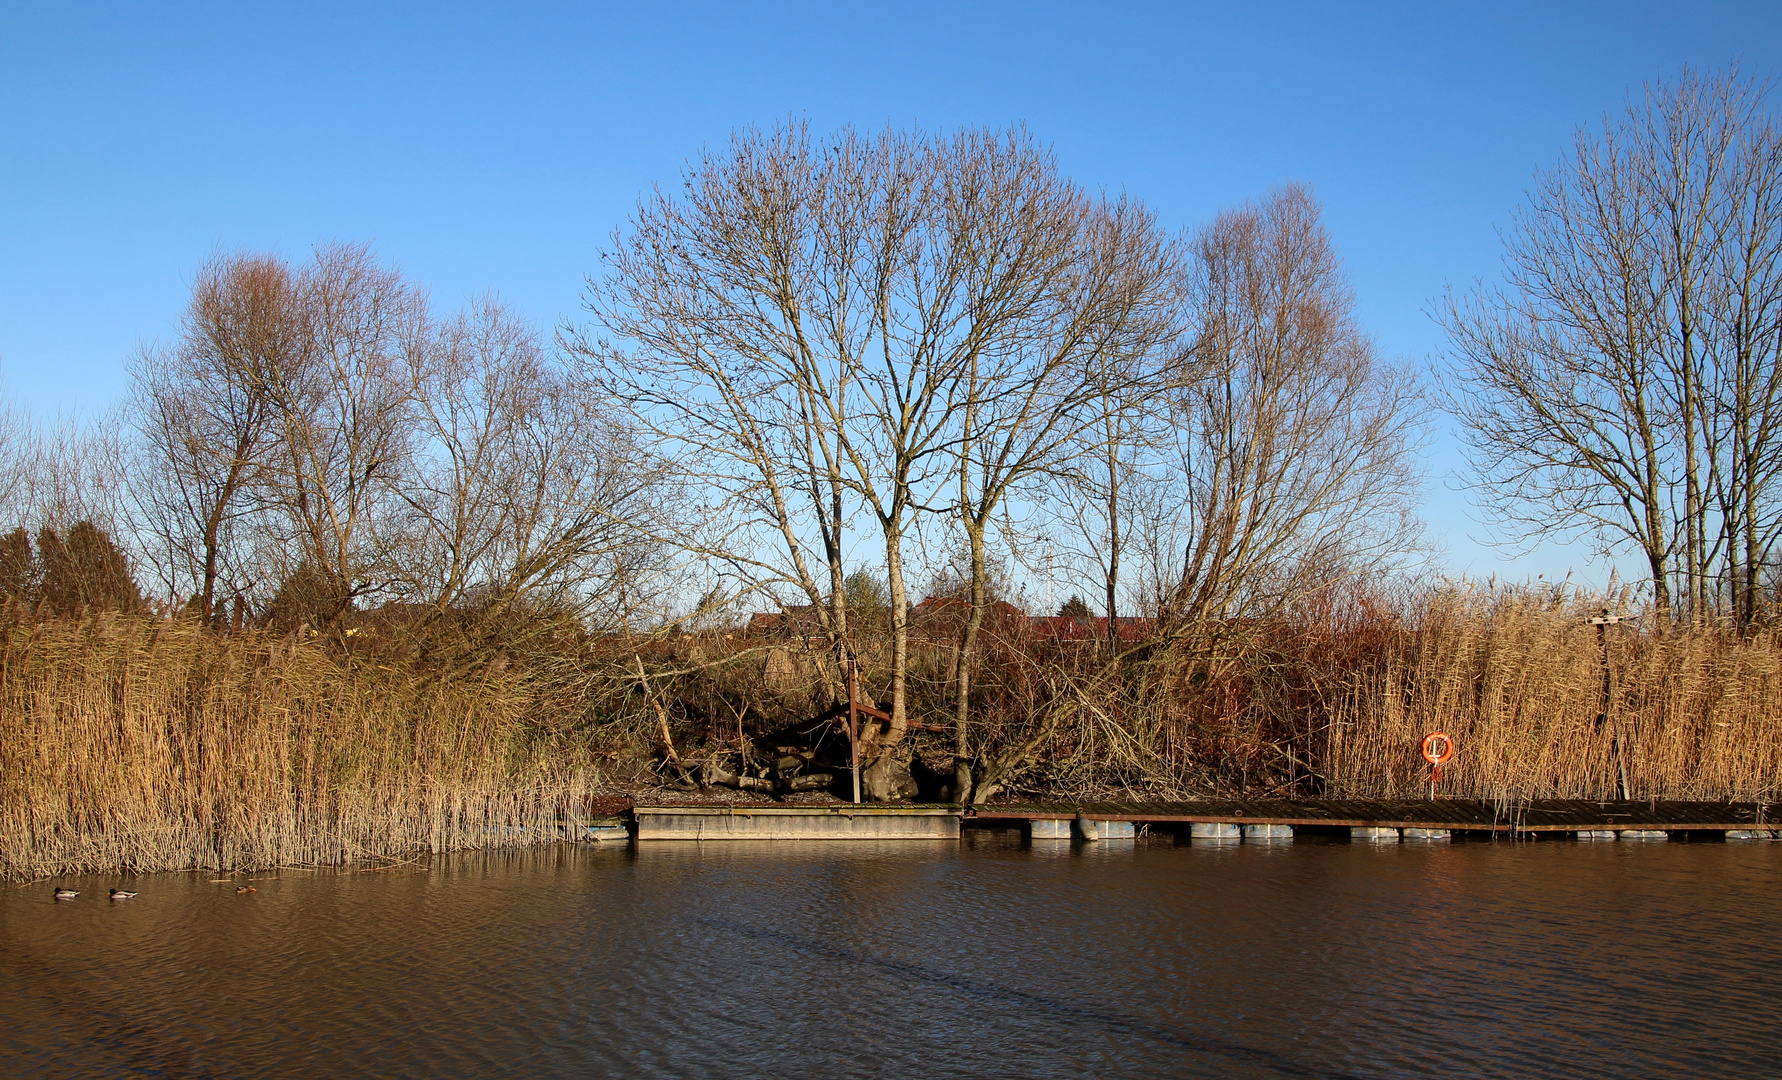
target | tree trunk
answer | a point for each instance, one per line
(968, 640)
(900, 630)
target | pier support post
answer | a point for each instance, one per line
(1372, 834)
(1049, 828)
(1749, 834)
(1644, 834)
(1591, 835)
(1268, 834)
(1428, 835)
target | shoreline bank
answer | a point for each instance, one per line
(617, 820)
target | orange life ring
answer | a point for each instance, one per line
(1431, 754)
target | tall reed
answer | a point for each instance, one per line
(147, 744)
(1336, 700)
(139, 744)
(1542, 704)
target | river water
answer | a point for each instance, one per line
(989, 958)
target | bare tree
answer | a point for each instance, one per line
(761, 333)
(825, 330)
(1293, 443)
(203, 410)
(344, 420)
(1745, 336)
(1071, 300)
(520, 492)
(1621, 382)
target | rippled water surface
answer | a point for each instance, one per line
(990, 958)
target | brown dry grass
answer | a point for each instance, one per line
(1336, 702)
(1517, 679)
(138, 744)
(129, 743)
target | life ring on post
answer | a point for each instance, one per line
(1437, 749)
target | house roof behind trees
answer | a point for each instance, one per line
(942, 617)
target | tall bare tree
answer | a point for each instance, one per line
(1293, 453)
(834, 329)
(344, 420)
(760, 332)
(203, 409)
(1745, 340)
(1621, 382)
(520, 491)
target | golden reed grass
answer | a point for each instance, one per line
(139, 744)
(129, 743)
(1336, 701)
(1518, 679)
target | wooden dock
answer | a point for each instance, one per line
(888, 821)
(1550, 815)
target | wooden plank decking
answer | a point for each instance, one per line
(1539, 816)
(1552, 815)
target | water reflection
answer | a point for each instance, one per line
(1000, 956)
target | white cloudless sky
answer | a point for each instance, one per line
(496, 147)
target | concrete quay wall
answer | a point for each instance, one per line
(796, 823)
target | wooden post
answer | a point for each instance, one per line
(1611, 714)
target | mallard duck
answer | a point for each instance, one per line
(119, 894)
(66, 894)
(239, 889)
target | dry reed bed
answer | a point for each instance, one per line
(1518, 680)
(1337, 706)
(136, 744)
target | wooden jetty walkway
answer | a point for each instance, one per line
(1550, 815)
(1206, 819)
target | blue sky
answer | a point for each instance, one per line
(481, 149)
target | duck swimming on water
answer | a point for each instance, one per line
(119, 894)
(66, 894)
(240, 889)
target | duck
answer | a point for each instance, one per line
(240, 889)
(66, 894)
(119, 894)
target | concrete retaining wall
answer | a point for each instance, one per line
(796, 823)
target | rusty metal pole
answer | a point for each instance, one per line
(853, 728)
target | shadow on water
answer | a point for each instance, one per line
(986, 991)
